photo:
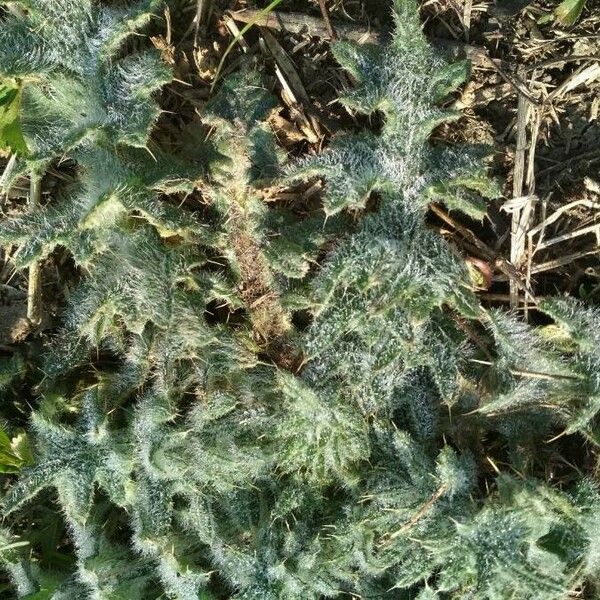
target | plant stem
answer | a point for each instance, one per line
(34, 291)
(327, 21)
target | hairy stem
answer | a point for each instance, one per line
(268, 317)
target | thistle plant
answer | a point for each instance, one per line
(404, 81)
(197, 456)
(561, 361)
(79, 99)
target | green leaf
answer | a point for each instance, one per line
(11, 134)
(448, 79)
(568, 11)
(455, 198)
(22, 448)
(15, 453)
(544, 19)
